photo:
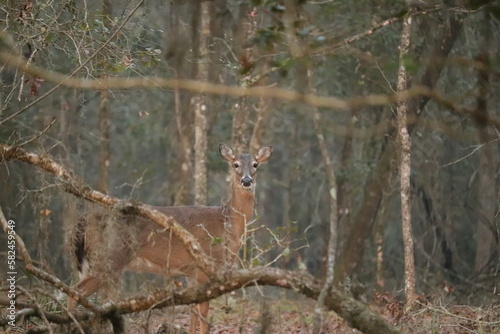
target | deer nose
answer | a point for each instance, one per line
(246, 181)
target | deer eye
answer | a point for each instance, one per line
(236, 165)
(255, 165)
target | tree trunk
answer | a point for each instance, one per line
(404, 142)
(486, 243)
(176, 55)
(299, 51)
(241, 130)
(104, 152)
(199, 104)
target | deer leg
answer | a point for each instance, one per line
(200, 311)
(87, 286)
(194, 320)
(203, 316)
(199, 314)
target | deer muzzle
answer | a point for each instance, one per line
(246, 181)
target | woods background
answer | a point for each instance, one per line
(157, 144)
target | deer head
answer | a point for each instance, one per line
(245, 165)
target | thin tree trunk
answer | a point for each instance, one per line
(175, 55)
(486, 243)
(379, 232)
(104, 152)
(404, 142)
(261, 111)
(299, 51)
(199, 105)
(332, 191)
(68, 117)
(241, 118)
(241, 132)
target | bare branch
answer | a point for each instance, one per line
(38, 135)
(373, 29)
(38, 308)
(217, 89)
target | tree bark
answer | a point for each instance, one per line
(486, 242)
(199, 104)
(241, 129)
(404, 142)
(176, 55)
(104, 152)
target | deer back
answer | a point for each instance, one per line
(109, 243)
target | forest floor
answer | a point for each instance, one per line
(230, 315)
(274, 311)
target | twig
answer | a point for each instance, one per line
(37, 307)
(28, 62)
(468, 155)
(63, 307)
(38, 135)
(54, 317)
(476, 320)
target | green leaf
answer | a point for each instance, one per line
(216, 241)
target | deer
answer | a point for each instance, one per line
(148, 247)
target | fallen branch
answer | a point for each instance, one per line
(29, 310)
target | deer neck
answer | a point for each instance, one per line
(241, 207)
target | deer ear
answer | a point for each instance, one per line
(226, 152)
(264, 154)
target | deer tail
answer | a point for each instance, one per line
(79, 244)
